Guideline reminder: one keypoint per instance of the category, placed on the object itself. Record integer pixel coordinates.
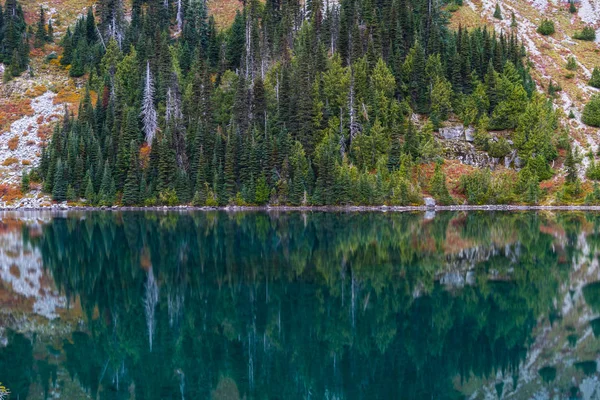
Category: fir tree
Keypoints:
(595, 79)
(41, 36)
(59, 188)
(25, 182)
(131, 189)
(498, 12)
(439, 190)
(106, 196)
(572, 8)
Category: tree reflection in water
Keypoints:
(319, 305)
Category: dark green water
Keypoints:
(319, 306)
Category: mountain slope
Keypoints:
(549, 54)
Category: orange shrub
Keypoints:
(25, 162)
(9, 193)
(10, 161)
(13, 143)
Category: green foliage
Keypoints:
(438, 187)
(25, 182)
(262, 191)
(595, 79)
(168, 197)
(498, 12)
(571, 64)
(59, 191)
(593, 199)
(593, 171)
(591, 112)
(572, 8)
(499, 148)
(271, 110)
(546, 28)
(476, 186)
(588, 33)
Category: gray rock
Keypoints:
(452, 132)
(429, 202)
(466, 153)
(429, 215)
(470, 134)
(453, 279)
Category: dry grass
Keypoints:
(36, 91)
(10, 193)
(10, 161)
(13, 143)
(224, 11)
(467, 18)
(13, 109)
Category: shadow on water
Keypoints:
(285, 306)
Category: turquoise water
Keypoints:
(302, 306)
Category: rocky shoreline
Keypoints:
(184, 208)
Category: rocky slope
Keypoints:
(549, 54)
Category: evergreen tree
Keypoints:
(498, 12)
(572, 8)
(59, 188)
(595, 79)
(106, 196)
(439, 190)
(131, 189)
(90, 195)
(25, 182)
(41, 36)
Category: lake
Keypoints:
(256, 305)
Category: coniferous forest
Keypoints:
(14, 47)
(294, 103)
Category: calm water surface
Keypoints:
(300, 306)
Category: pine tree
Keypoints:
(262, 191)
(90, 195)
(59, 188)
(571, 165)
(131, 189)
(595, 79)
(40, 34)
(106, 196)
(25, 182)
(50, 34)
(498, 12)
(439, 190)
(572, 8)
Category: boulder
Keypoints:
(470, 134)
(452, 132)
(429, 202)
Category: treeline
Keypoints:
(291, 104)
(14, 39)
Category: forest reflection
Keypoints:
(290, 305)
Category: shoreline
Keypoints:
(383, 208)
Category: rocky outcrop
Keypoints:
(20, 146)
(466, 153)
